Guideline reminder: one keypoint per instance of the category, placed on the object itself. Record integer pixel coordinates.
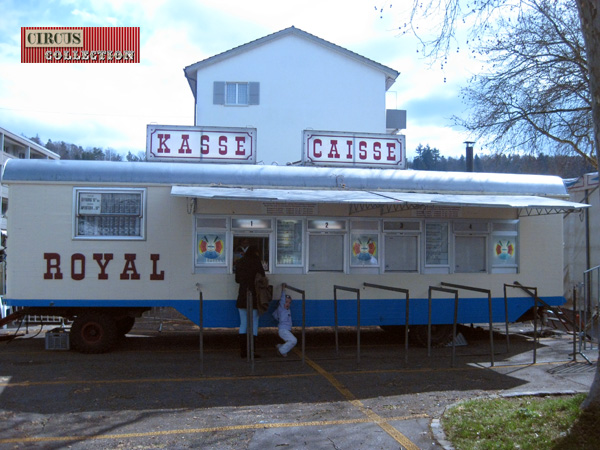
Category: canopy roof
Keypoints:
(361, 188)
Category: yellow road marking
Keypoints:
(203, 430)
(373, 417)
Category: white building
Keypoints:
(288, 82)
(15, 146)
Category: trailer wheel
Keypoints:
(124, 325)
(93, 333)
(440, 335)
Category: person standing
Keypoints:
(283, 315)
(247, 268)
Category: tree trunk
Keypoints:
(590, 26)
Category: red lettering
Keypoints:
(106, 257)
(52, 264)
(185, 144)
(77, 258)
(130, 267)
(162, 143)
(362, 150)
(222, 145)
(391, 155)
(333, 152)
(377, 151)
(204, 140)
(349, 154)
(241, 140)
(155, 275)
(315, 153)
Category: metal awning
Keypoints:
(392, 200)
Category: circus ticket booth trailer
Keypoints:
(102, 242)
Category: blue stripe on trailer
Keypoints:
(373, 312)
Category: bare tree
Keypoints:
(479, 14)
(534, 94)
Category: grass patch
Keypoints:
(527, 423)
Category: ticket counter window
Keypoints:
(241, 244)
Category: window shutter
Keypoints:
(219, 93)
(254, 94)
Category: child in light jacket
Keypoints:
(283, 315)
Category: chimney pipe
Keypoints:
(469, 149)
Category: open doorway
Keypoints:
(241, 244)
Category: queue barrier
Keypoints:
(448, 291)
(407, 309)
(533, 292)
(491, 319)
(335, 313)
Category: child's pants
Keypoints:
(290, 341)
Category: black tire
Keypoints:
(93, 332)
(440, 335)
(124, 325)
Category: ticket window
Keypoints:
(241, 244)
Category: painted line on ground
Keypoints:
(404, 441)
(42, 439)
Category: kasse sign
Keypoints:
(200, 144)
(332, 148)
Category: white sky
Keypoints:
(109, 105)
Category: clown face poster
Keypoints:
(504, 252)
(364, 250)
(211, 249)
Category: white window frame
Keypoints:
(475, 229)
(95, 195)
(437, 268)
(327, 227)
(237, 101)
(402, 231)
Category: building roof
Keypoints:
(190, 71)
(23, 141)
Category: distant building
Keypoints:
(582, 240)
(15, 146)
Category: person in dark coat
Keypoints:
(247, 268)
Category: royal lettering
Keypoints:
(80, 269)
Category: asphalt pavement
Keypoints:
(157, 389)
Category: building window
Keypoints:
(436, 244)
(401, 245)
(289, 242)
(236, 93)
(326, 245)
(109, 214)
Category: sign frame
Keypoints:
(198, 144)
(338, 148)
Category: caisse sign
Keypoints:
(329, 148)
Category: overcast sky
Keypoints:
(109, 105)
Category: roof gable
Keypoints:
(190, 71)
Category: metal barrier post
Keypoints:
(448, 291)
(489, 293)
(201, 325)
(300, 291)
(406, 293)
(357, 292)
(533, 294)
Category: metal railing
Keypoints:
(533, 292)
(448, 291)
(588, 311)
(490, 314)
(406, 293)
(335, 313)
